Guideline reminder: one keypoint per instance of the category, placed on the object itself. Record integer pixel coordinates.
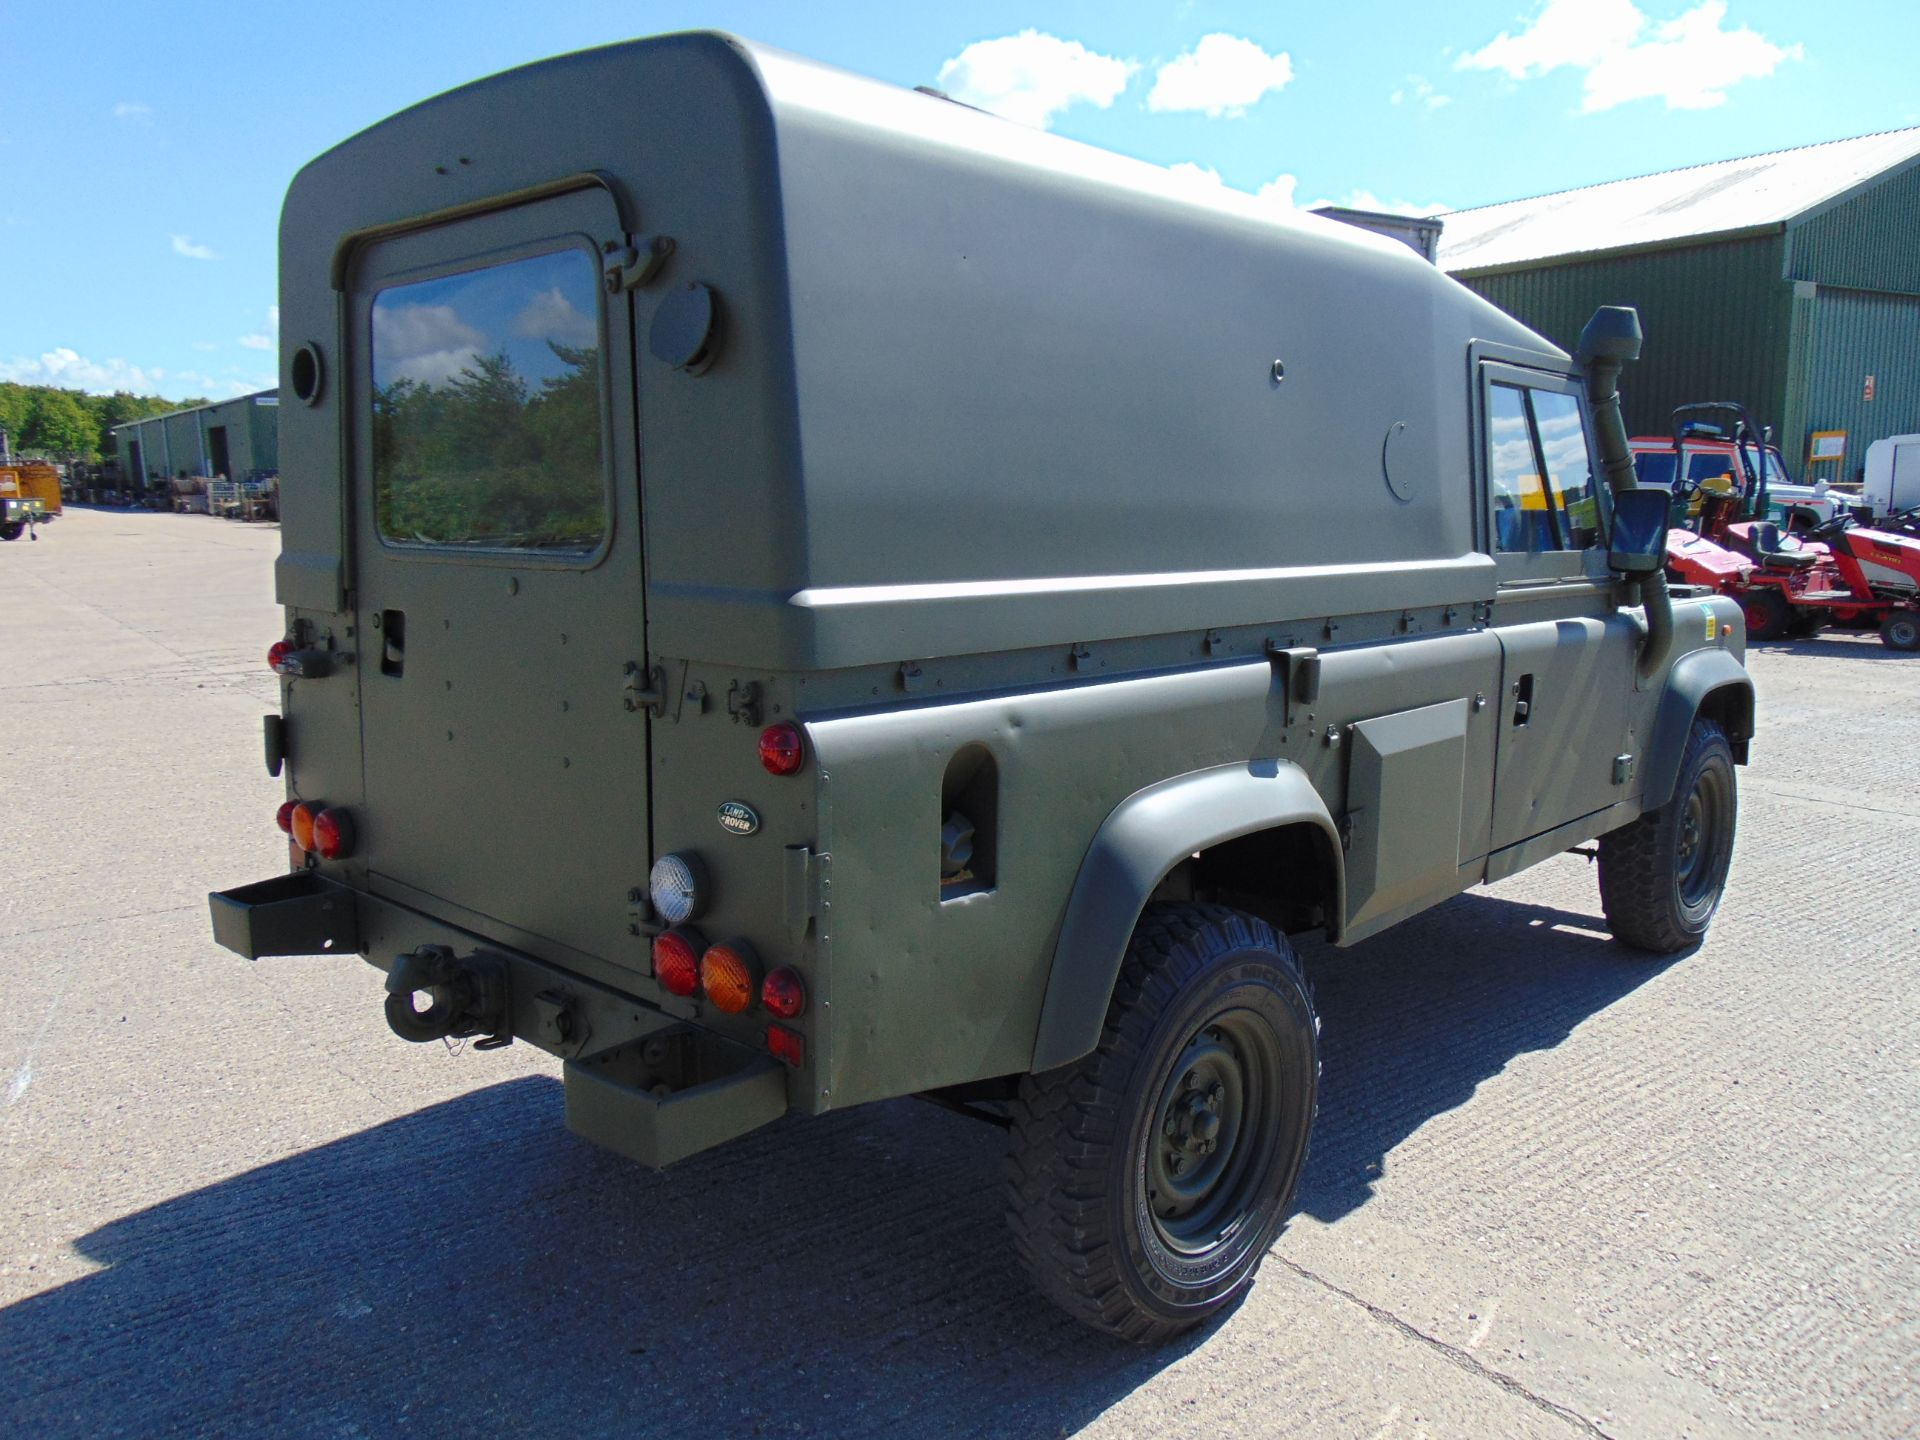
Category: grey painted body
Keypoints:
(991, 458)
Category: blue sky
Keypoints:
(144, 149)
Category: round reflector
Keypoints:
(783, 992)
(304, 814)
(276, 653)
(678, 886)
(333, 834)
(730, 975)
(676, 961)
(781, 749)
(283, 817)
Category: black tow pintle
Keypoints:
(467, 997)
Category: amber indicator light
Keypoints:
(304, 814)
(730, 976)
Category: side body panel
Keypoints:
(1563, 721)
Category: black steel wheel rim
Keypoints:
(1706, 833)
(1214, 1133)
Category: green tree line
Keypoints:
(71, 424)
(485, 458)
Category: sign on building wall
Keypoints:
(1829, 447)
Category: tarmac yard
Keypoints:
(1556, 1188)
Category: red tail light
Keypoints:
(784, 993)
(787, 1046)
(333, 834)
(301, 824)
(676, 960)
(283, 817)
(276, 653)
(730, 975)
(781, 749)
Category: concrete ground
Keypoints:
(1556, 1189)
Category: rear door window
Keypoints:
(488, 408)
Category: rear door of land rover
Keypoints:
(494, 506)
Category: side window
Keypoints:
(1563, 445)
(1709, 465)
(1539, 472)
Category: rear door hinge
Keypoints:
(628, 267)
(644, 689)
(743, 702)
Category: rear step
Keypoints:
(665, 1096)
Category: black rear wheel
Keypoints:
(1148, 1180)
(12, 530)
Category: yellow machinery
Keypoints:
(29, 494)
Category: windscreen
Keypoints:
(487, 408)
(1654, 468)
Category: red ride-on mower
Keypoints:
(1834, 573)
(1797, 584)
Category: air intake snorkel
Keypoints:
(1611, 338)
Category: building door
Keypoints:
(217, 450)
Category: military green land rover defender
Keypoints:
(800, 592)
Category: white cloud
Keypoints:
(429, 344)
(1689, 62)
(70, 370)
(184, 245)
(1367, 200)
(551, 316)
(1203, 176)
(133, 110)
(1222, 75)
(1419, 91)
(1031, 77)
(1277, 192)
(269, 338)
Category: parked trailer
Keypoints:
(1891, 485)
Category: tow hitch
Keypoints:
(467, 997)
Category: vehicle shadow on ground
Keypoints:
(473, 1267)
(1834, 645)
(1414, 1021)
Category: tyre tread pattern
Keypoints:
(1066, 1121)
(1636, 864)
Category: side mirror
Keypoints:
(1639, 542)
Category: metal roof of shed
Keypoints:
(1650, 211)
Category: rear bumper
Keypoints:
(639, 1082)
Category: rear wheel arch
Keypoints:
(1251, 829)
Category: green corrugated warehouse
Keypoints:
(1782, 280)
(235, 438)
